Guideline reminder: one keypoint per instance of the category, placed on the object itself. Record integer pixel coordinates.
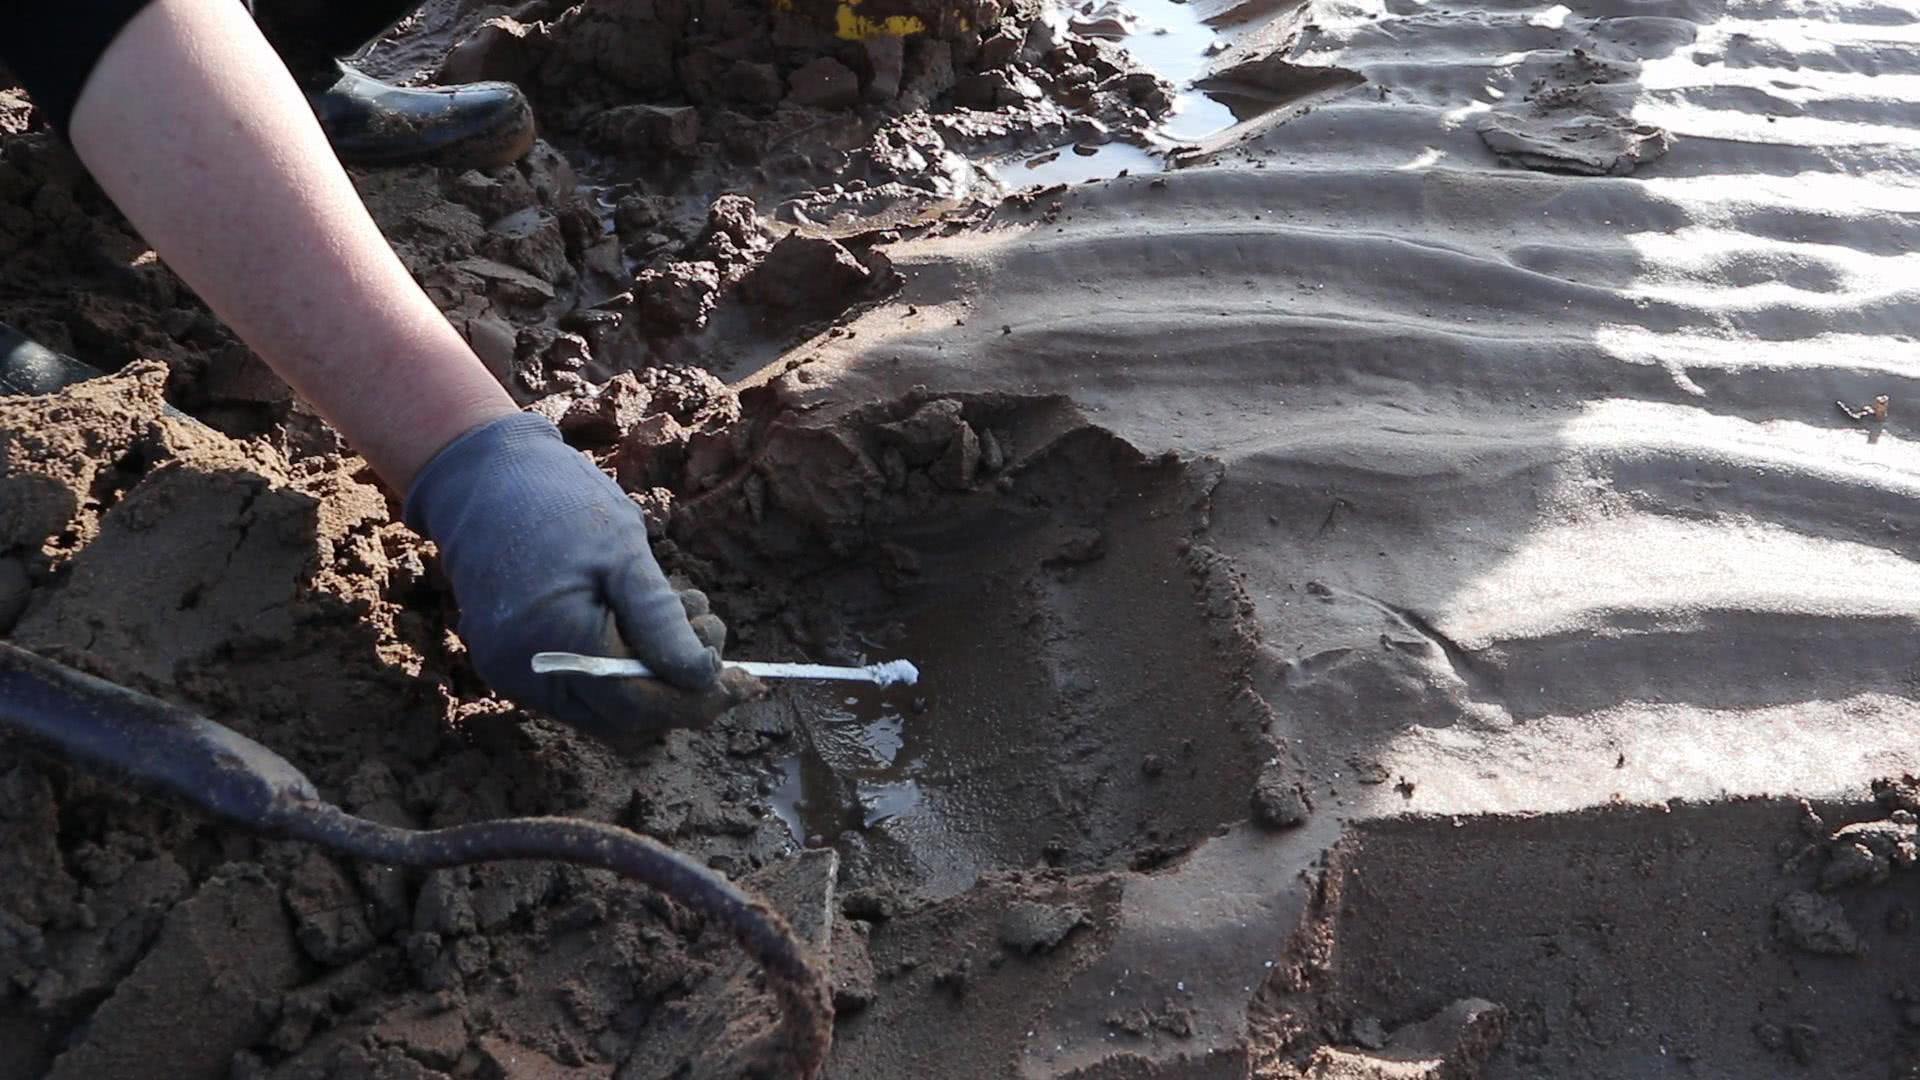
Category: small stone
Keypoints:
(958, 466)
(1153, 765)
(1081, 544)
(1278, 801)
(1367, 1032)
(993, 457)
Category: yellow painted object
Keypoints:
(850, 25)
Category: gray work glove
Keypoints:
(546, 553)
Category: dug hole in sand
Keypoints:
(1395, 594)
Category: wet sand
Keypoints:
(1388, 570)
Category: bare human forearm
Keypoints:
(195, 129)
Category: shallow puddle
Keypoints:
(869, 773)
(1168, 38)
(1070, 165)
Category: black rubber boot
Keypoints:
(369, 122)
(471, 126)
(27, 367)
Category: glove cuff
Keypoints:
(461, 461)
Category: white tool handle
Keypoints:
(891, 673)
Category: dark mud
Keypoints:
(1746, 938)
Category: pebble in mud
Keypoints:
(1816, 924)
(1277, 800)
(1031, 928)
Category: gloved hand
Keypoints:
(546, 553)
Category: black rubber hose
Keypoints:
(162, 749)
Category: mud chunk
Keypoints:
(1081, 544)
(606, 416)
(993, 457)
(960, 463)
(218, 955)
(873, 905)
(14, 590)
(434, 1037)
(120, 921)
(1902, 793)
(886, 66)
(1851, 863)
(807, 276)
(999, 50)
(1867, 852)
(1367, 1032)
(1581, 144)
(497, 50)
(635, 216)
(508, 284)
(530, 239)
(493, 340)
(445, 905)
(330, 922)
(733, 235)
(755, 84)
(1146, 89)
(677, 299)
(1278, 801)
(1030, 927)
(645, 129)
(922, 437)
(1816, 924)
(505, 891)
(854, 984)
(824, 83)
(995, 89)
(1453, 1043)
(1802, 1041)
(929, 71)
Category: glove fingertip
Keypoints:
(690, 671)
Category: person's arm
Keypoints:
(195, 129)
(192, 126)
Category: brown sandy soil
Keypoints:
(1385, 587)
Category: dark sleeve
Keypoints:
(52, 45)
